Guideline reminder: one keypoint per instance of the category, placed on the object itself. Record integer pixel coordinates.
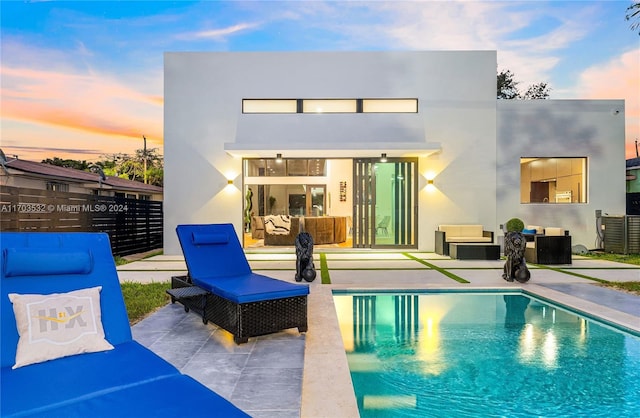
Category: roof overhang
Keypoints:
(331, 136)
(332, 150)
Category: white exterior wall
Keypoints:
(203, 96)
(563, 128)
(476, 173)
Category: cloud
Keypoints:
(218, 34)
(78, 99)
(511, 28)
(618, 78)
(57, 150)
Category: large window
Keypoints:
(553, 180)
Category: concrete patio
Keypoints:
(292, 375)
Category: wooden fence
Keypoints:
(133, 225)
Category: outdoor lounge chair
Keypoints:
(66, 344)
(221, 287)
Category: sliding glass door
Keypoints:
(385, 203)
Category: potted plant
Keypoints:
(272, 203)
(515, 268)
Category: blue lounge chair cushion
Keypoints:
(251, 288)
(207, 256)
(169, 397)
(46, 261)
(25, 254)
(34, 387)
(203, 238)
(222, 267)
(128, 381)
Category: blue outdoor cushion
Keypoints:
(203, 238)
(38, 386)
(529, 231)
(46, 261)
(212, 257)
(251, 288)
(170, 397)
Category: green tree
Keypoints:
(507, 88)
(69, 163)
(536, 91)
(633, 15)
(132, 167)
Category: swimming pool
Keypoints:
(484, 354)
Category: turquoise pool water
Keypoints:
(484, 355)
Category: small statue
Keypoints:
(304, 257)
(514, 247)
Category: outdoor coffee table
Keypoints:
(474, 251)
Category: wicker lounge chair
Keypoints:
(222, 288)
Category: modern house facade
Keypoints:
(396, 142)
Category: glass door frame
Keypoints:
(405, 204)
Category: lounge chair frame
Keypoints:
(245, 320)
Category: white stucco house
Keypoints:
(413, 139)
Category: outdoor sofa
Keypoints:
(550, 245)
(221, 287)
(67, 349)
(447, 234)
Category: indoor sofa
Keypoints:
(283, 239)
(447, 234)
(67, 349)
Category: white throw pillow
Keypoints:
(58, 325)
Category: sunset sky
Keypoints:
(81, 79)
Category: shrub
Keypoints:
(515, 225)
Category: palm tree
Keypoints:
(633, 13)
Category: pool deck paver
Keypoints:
(292, 375)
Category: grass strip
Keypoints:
(618, 258)
(324, 269)
(142, 299)
(570, 273)
(438, 269)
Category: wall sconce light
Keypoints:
(383, 157)
(229, 181)
(278, 158)
(430, 182)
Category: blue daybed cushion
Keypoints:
(251, 288)
(46, 261)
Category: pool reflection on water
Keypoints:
(484, 354)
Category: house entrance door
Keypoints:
(385, 205)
